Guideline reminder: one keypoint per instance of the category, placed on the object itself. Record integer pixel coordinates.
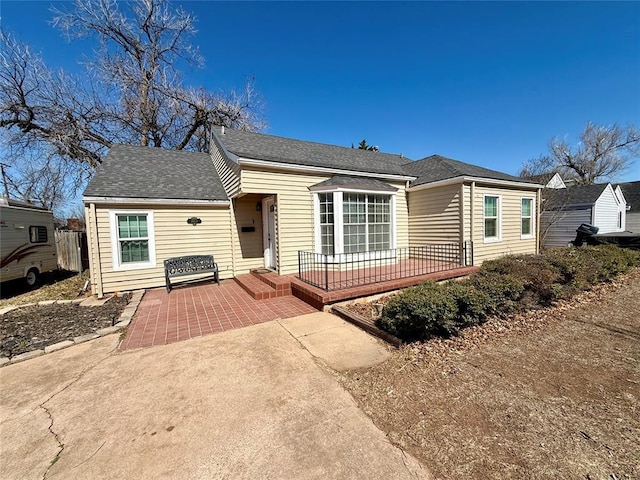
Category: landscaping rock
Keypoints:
(58, 346)
(27, 356)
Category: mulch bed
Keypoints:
(35, 327)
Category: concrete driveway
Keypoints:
(250, 403)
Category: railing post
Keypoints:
(326, 272)
(299, 264)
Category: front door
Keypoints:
(269, 232)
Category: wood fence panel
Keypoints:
(72, 250)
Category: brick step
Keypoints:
(282, 285)
(255, 287)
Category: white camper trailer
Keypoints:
(27, 240)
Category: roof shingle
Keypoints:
(435, 168)
(259, 146)
(143, 172)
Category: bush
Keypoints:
(419, 313)
(507, 284)
(472, 304)
(504, 291)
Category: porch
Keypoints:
(323, 279)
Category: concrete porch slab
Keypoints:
(339, 344)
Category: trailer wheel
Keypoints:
(32, 277)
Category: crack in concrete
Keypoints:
(56, 436)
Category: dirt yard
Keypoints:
(35, 327)
(551, 394)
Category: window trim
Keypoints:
(338, 222)
(46, 234)
(116, 255)
(531, 235)
(498, 237)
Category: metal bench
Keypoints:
(189, 265)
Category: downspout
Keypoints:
(472, 194)
(538, 209)
(463, 260)
(96, 272)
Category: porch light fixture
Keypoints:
(259, 207)
(194, 221)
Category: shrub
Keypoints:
(472, 304)
(504, 291)
(507, 284)
(419, 313)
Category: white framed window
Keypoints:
(327, 245)
(354, 222)
(492, 206)
(527, 218)
(132, 239)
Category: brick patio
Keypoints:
(202, 309)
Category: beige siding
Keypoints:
(248, 246)
(228, 171)
(511, 241)
(173, 237)
(402, 215)
(295, 222)
(294, 210)
(434, 215)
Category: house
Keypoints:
(292, 206)
(631, 192)
(550, 180)
(565, 209)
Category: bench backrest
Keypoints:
(190, 264)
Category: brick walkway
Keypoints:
(202, 309)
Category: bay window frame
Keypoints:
(338, 223)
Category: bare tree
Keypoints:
(602, 153)
(132, 92)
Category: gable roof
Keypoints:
(358, 183)
(288, 151)
(631, 192)
(436, 167)
(145, 172)
(574, 194)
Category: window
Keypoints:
(326, 223)
(526, 218)
(379, 222)
(620, 220)
(353, 222)
(132, 240)
(491, 218)
(38, 234)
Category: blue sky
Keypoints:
(486, 83)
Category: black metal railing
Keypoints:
(347, 270)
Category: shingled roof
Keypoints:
(144, 172)
(259, 146)
(356, 183)
(631, 192)
(436, 168)
(573, 195)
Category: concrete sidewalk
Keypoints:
(249, 403)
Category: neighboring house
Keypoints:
(565, 209)
(631, 192)
(549, 180)
(264, 200)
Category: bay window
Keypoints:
(353, 222)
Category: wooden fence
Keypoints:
(73, 254)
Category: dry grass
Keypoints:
(554, 393)
(56, 286)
